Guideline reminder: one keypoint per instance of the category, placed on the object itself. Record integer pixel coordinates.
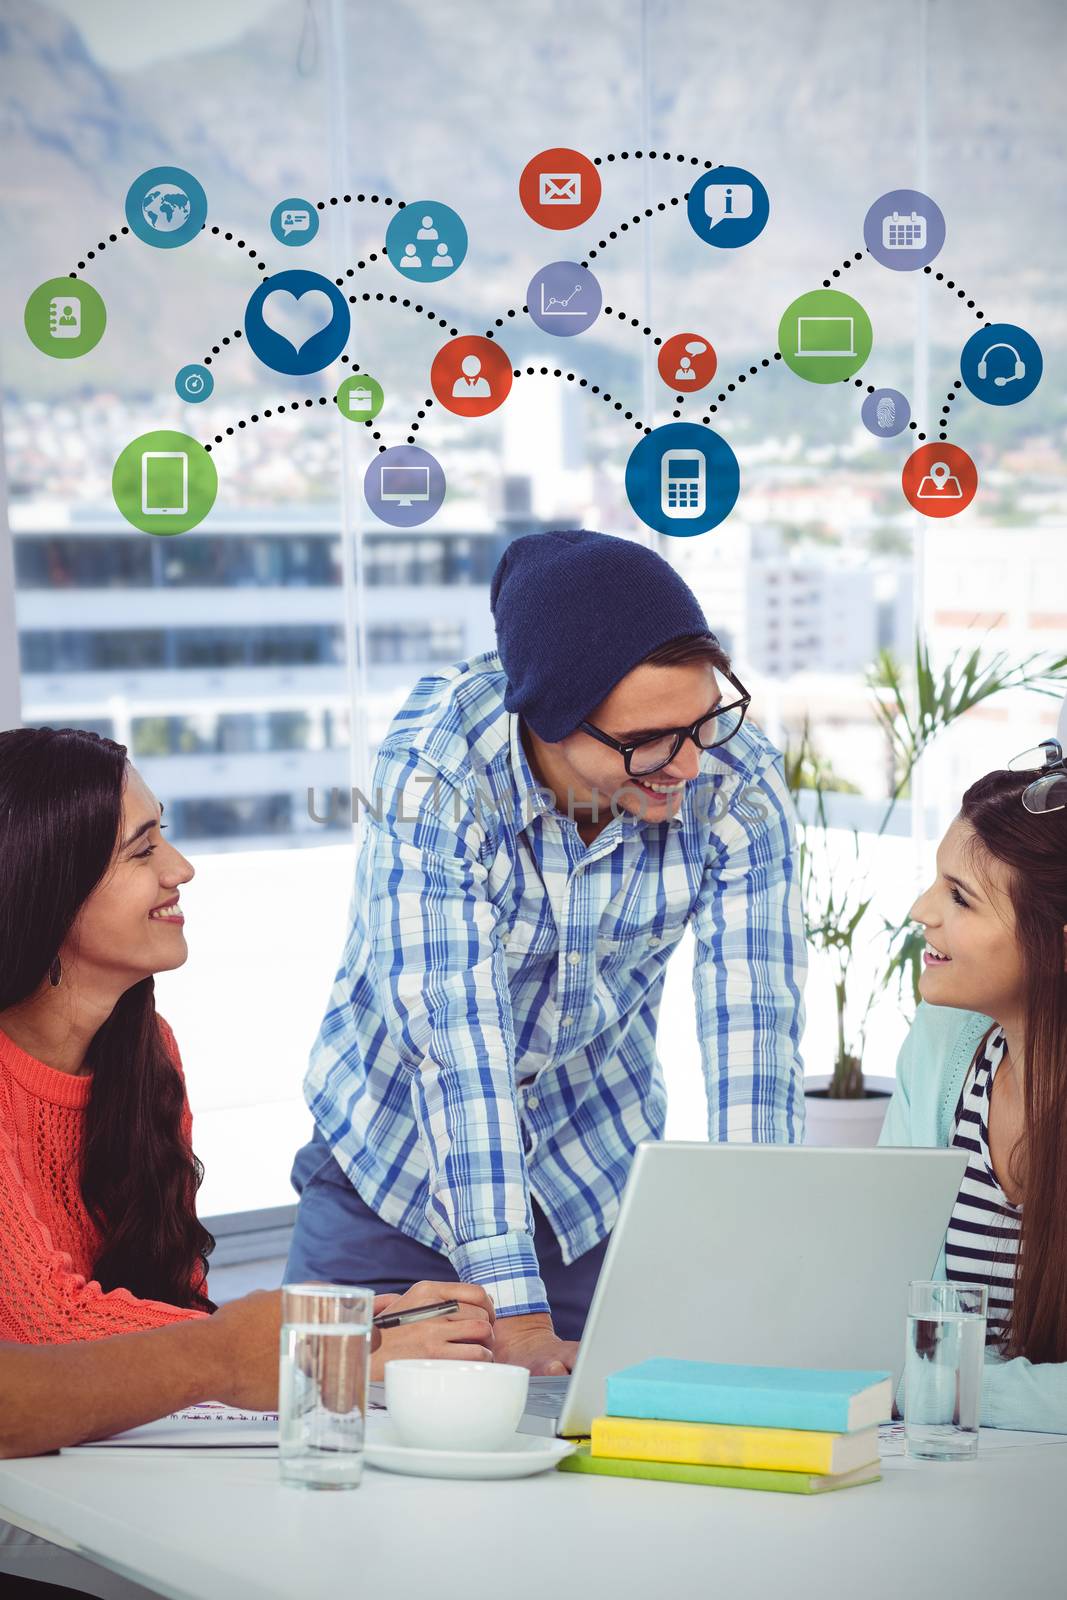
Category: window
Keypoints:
(261, 657)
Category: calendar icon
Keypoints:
(904, 233)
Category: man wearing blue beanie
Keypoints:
(545, 822)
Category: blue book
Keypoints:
(751, 1397)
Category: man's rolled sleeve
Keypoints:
(506, 1267)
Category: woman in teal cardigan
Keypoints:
(985, 1067)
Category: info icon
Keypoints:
(471, 375)
(728, 207)
(687, 362)
(940, 480)
(560, 188)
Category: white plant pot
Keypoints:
(839, 1124)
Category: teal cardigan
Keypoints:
(931, 1068)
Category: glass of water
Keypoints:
(943, 1370)
(323, 1377)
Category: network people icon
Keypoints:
(682, 478)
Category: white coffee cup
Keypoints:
(455, 1405)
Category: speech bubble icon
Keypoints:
(724, 201)
(300, 221)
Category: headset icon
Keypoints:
(1020, 365)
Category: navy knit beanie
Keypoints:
(575, 612)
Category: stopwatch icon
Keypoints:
(194, 383)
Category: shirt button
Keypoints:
(567, 1021)
(574, 956)
(531, 1101)
(653, 940)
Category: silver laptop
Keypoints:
(773, 1255)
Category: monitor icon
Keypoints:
(164, 483)
(826, 336)
(402, 486)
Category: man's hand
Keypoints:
(529, 1341)
(466, 1335)
(245, 1338)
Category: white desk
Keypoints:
(227, 1530)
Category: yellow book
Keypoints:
(711, 1444)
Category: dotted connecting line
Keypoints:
(354, 299)
(547, 372)
(848, 262)
(961, 294)
(113, 238)
(946, 408)
(348, 199)
(293, 405)
(638, 217)
(742, 377)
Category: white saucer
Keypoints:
(521, 1457)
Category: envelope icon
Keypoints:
(561, 188)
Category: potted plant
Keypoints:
(843, 1106)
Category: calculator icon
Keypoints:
(683, 486)
(904, 233)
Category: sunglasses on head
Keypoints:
(1048, 792)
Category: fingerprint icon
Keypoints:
(886, 414)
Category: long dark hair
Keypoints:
(61, 796)
(1034, 848)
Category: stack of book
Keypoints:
(790, 1429)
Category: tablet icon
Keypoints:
(164, 483)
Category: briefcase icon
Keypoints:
(561, 188)
(360, 400)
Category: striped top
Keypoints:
(983, 1235)
(491, 1034)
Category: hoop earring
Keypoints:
(55, 973)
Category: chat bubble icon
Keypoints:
(725, 201)
(300, 221)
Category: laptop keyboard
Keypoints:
(546, 1396)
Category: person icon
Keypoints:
(442, 257)
(68, 319)
(685, 373)
(940, 483)
(427, 231)
(410, 258)
(473, 385)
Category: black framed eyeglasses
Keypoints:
(1048, 792)
(657, 750)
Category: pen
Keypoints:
(398, 1319)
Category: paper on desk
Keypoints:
(210, 1426)
(891, 1442)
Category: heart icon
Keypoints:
(288, 314)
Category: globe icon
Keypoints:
(166, 209)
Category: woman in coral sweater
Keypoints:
(98, 1178)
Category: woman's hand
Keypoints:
(466, 1335)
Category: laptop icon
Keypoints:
(826, 336)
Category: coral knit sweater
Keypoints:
(48, 1242)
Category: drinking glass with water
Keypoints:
(943, 1369)
(323, 1378)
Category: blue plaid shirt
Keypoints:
(492, 1027)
